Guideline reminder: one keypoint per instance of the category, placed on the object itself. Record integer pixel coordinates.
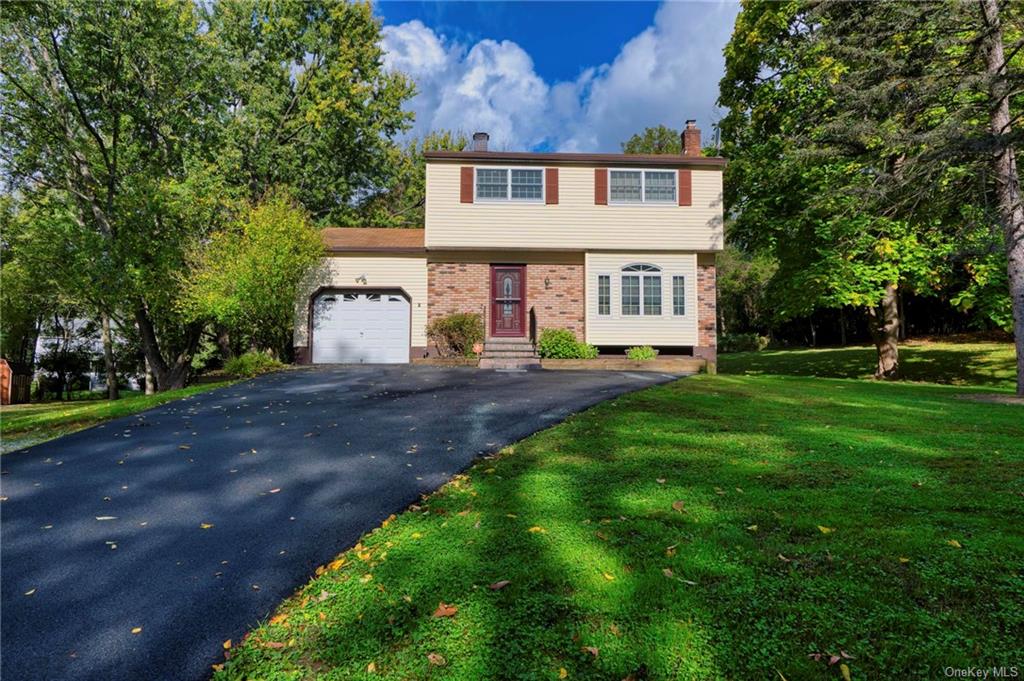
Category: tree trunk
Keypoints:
(885, 330)
(150, 378)
(168, 376)
(224, 343)
(108, 357)
(842, 327)
(1011, 212)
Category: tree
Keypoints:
(246, 277)
(659, 140)
(848, 134)
(401, 202)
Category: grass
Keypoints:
(988, 364)
(24, 424)
(718, 527)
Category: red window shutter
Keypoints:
(601, 186)
(685, 188)
(466, 182)
(551, 185)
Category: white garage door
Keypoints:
(360, 328)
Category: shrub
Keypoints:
(741, 342)
(562, 344)
(456, 334)
(641, 353)
(251, 364)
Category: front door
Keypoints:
(508, 300)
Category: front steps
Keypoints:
(509, 353)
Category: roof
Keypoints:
(373, 239)
(648, 160)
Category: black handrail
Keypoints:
(533, 326)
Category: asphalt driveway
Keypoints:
(193, 520)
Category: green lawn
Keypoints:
(718, 527)
(25, 424)
(991, 364)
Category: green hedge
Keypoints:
(251, 364)
(562, 344)
(456, 334)
(641, 353)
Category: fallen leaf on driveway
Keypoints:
(275, 490)
(106, 517)
(227, 644)
(137, 630)
(30, 592)
(445, 610)
(184, 446)
(499, 585)
(436, 659)
(205, 526)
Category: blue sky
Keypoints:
(574, 76)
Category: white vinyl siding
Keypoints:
(384, 272)
(575, 222)
(621, 328)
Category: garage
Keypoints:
(360, 327)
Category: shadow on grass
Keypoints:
(809, 523)
(981, 364)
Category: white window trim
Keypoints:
(660, 273)
(508, 185)
(643, 187)
(611, 295)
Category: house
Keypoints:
(619, 249)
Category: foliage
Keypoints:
(251, 364)
(641, 353)
(657, 140)
(456, 334)
(401, 202)
(562, 344)
(247, 276)
(741, 342)
(742, 281)
(24, 424)
(676, 550)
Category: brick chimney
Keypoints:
(691, 139)
(480, 141)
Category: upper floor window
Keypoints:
(509, 184)
(642, 186)
(641, 290)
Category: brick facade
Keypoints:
(707, 311)
(554, 291)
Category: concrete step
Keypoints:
(523, 347)
(513, 363)
(508, 354)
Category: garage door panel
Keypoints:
(361, 328)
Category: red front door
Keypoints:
(508, 300)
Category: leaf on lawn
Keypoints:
(593, 650)
(563, 673)
(752, 528)
(781, 676)
(445, 610)
(601, 535)
(217, 667)
(322, 615)
(279, 619)
(844, 669)
(954, 543)
(671, 550)
(537, 529)
(371, 668)
(366, 578)
(719, 491)
(668, 573)
(832, 659)
(205, 526)
(826, 530)
(136, 630)
(227, 644)
(660, 481)
(497, 586)
(904, 559)
(679, 506)
(784, 560)
(609, 576)
(274, 645)
(614, 628)
(436, 659)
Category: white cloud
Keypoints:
(664, 75)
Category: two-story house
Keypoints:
(618, 248)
